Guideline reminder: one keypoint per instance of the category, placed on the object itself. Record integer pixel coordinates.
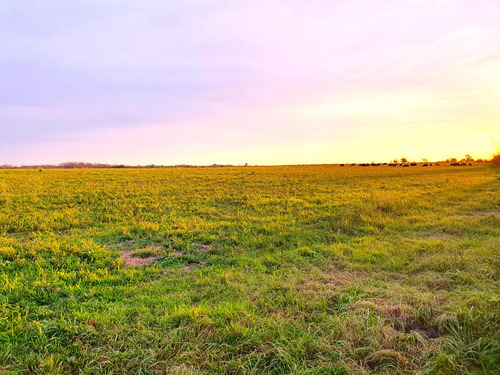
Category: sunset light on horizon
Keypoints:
(261, 82)
(250, 187)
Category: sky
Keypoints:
(258, 82)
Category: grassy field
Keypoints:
(256, 270)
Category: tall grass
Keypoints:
(261, 270)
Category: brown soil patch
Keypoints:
(135, 261)
(203, 248)
(92, 323)
(190, 266)
(427, 332)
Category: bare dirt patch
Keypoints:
(129, 260)
(427, 332)
(203, 248)
(92, 323)
(190, 266)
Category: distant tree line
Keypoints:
(467, 160)
(82, 165)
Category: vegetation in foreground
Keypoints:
(265, 270)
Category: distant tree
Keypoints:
(453, 160)
(404, 160)
(395, 161)
(496, 160)
(468, 158)
(425, 160)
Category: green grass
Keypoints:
(263, 270)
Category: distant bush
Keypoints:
(496, 160)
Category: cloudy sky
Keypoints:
(263, 82)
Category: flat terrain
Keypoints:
(265, 270)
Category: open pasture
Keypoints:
(250, 270)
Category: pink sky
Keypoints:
(263, 82)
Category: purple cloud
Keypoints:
(264, 82)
